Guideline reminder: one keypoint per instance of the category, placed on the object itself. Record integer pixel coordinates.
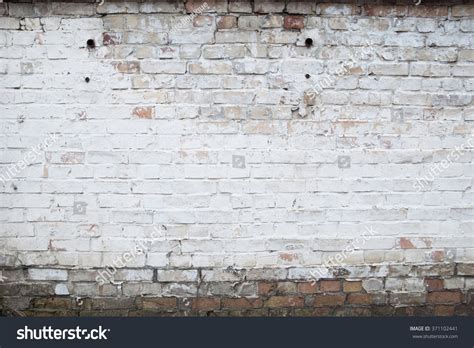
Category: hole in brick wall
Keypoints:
(308, 42)
(90, 44)
(307, 76)
(87, 79)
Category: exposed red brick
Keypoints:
(433, 284)
(323, 311)
(227, 22)
(111, 39)
(359, 299)
(205, 304)
(386, 10)
(329, 300)
(330, 285)
(405, 243)
(355, 286)
(159, 303)
(444, 310)
(286, 288)
(241, 303)
(144, 112)
(265, 288)
(463, 10)
(284, 301)
(293, 22)
(288, 257)
(437, 255)
(444, 297)
(198, 6)
(341, 9)
(428, 11)
(308, 287)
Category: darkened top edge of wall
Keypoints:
(358, 2)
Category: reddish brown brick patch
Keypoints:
(386, 10)
(227, 22)
(364, 299)
(330, 285)
(463, 10)
(266, 288)
(144, 112)
(355, 286)
(446, 297)
(293, 22)
(200, 5)
(307, 287)
(444, 310)
(434, 284)
(206, 304)
(284, 301)
(329, 300)
(241, 303)
(405, 243)
(111, 39)
(428, 11)
(159, 303)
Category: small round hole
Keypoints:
(308, 42)
(307, 76)
(90, 43)
(87, 79)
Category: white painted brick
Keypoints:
(47, 274)
(150, 139)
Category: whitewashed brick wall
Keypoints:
(209, 132)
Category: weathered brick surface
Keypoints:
(235, 157)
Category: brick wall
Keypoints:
(236, 158)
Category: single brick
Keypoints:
(308, 287)
(428, 11)
(329, 300)
(329, 285)
(284, 301)
(447, 311)
(205, 304)
(111, 39)
(463, 11)
(293, 22)
(266, 288)
(386, 10)
(241, 303)
(128, 67)
(362, 299)
(227, 22)
(445, 297)
(433, 284)
(405, 243)
(160, 303)
(352, 286)
(144, 112)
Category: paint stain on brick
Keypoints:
(146, 112)
(111, 39)
(288, 257)
(405, 243)
(128, 67)
(293, 22)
